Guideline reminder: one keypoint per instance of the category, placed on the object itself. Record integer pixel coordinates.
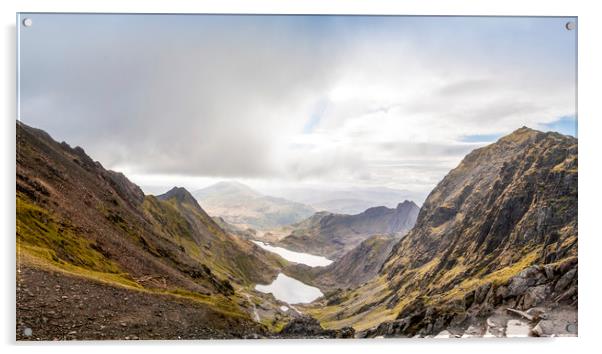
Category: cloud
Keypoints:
(335, 100)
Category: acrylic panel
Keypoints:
(190, 176)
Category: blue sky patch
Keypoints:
(565, 125)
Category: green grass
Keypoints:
(167, 218)
(39, 232)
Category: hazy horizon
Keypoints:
(278, 102)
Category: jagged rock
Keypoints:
(568, 294)
(565, 280)
(501, 293)
(537, 331)
(481, 293)
(485, 310)
(535, 296)
(520, 313)
(469, 299)
(345, 332)
(549, 271)
(527, 278)
(438, 325)
(537, 314)
(309, 327)
(495, 326)
(473, 331)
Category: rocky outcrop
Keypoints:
(532, 297)
(309, 327)
(356, 267)
(334, 235)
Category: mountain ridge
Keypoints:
(333, 235)
(81, 226)
(500, 230)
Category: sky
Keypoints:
(293, 101)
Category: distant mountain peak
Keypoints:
(242, 206)
(180, 194)
(232, 184)
(376, 210)
(228, 187)
(406, 204)
(521, 134)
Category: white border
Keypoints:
(589, 172)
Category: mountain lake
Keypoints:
(297, 257)
(287, 289)
(290, 290)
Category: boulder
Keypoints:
(555, 327)
(535, 296)
(309, 327)
(565, 280)
(527, 278)
(473, 331)
(481, 293)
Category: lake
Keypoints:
(290, 290)
(297, 257)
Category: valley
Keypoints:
(491, 252)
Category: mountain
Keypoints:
(230, 255)
(247, 234)
(499, 231)
(244, 207)
(333, 235)
(349, 201)
(347, 206)
(356, 267)
(94, 252)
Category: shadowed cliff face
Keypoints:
(333, 235)
(356, 267)
(507, 206)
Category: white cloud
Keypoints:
(238, 98)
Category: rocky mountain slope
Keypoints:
(499, 231)
(333, 235)
(83, 227)
(356, 267)
(244, 207)
(247, 234)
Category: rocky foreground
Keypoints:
(55, 306)
(541, 301)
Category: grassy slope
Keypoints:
(79, 219)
